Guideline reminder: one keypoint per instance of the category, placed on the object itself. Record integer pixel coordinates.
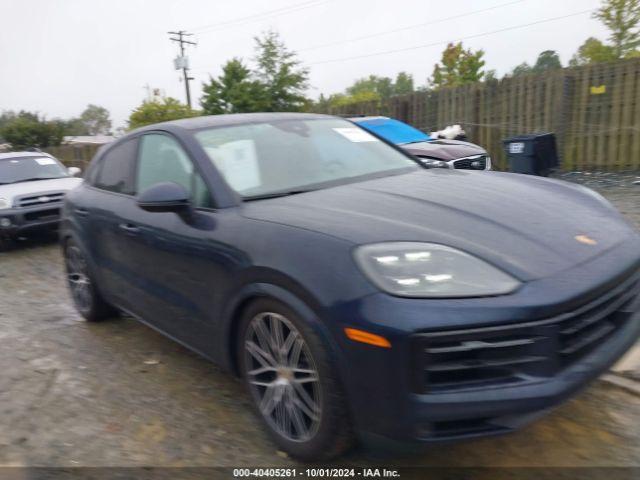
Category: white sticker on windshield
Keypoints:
(45, 161)
(356, 134)
(238, 163)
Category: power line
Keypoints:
(258, 16)
(179, 37)
(408, 27)
(434, 44)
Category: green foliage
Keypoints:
(523, 69)
(369, 89)
(276, 84)
(490, 76)
(381, 87)
(593, 51)
(25, 129)
(341, 100)
(75, 127)
(233, 92)
(622, 18)
(280, 75)
(547, 60)
(96, 120)
(155, 111)
(458, 67)
(403, 84)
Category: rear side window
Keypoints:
(116, 172)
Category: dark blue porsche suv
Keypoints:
(354, 291)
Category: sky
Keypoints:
(57, 56)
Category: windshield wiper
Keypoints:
(274, 195)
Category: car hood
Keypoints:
(443, 149)
(36, 187)
(525, 225)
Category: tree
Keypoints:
(96, 120)
(26, 129)
(155, 111)
(547, 60)
(381, 87)
(233, 92)
(458, 66)
(403, 84)
(75, 127)
(368, 89)
(592, 51)
(523, 69)
(490, 76)
(280, 74)
(622, 18)
(341, 100)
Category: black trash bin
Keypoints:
(533, 154)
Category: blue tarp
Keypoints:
(393, 130)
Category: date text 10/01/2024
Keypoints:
(315, 472)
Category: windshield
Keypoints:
(288, 156)
(393, 130)
(21, 169)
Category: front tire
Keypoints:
(85, 295)
(292, 382)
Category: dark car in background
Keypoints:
(352, 289)
(434, 153)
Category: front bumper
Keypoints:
(398, 394)
(29, 218)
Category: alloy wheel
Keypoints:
(282, 377)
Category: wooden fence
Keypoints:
(593, 110)
(74, 155)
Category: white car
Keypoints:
(32, 187)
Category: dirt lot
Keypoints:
(119, 394)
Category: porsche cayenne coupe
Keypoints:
(356, 292)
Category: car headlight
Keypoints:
(4, 203)
(411, 269)
(433, 163)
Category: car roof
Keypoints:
(365, 117)
(7, 155)
(197, 123)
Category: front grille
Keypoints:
(510, 354)
(48, 214)
(41, 199)
(477, 162)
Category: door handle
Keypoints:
(83, 212)
(130, 229)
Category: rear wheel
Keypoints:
(84, 293)
(292, 382)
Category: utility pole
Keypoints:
(182, 62)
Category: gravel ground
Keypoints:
(117, 393)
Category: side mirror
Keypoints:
(74, 171)
(165, 197)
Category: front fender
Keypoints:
(310, 314)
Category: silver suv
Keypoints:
(32, 187)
